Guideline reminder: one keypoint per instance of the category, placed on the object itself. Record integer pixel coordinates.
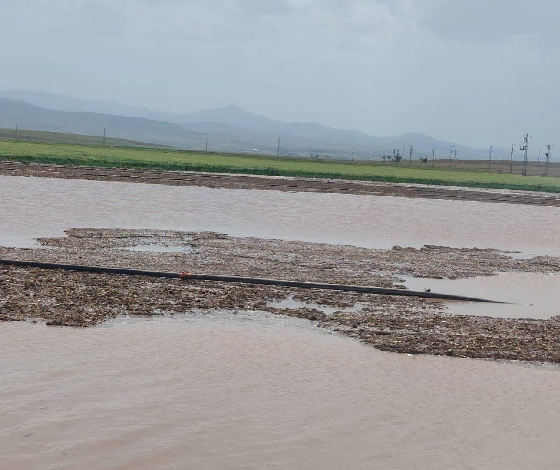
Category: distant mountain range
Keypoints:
(226, 129)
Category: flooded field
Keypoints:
(35, 207)
(217, 392)
(528, 295)
(259, 391)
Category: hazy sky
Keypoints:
(478, 72)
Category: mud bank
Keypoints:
(318, 185)
(406, 325)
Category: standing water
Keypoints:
(35, 207)
(257, 394)
(263, 392)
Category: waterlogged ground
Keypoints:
(253, 393)
(166, 378)
(39, 207)
(392, 323)
(293, 184)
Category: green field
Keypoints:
(166, 159)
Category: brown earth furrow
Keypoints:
(320, 185)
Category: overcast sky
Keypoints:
(477, 72)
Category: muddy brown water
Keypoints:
(260, 392)
(230, 393)
(34, 207)
(526, 295)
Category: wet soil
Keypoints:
(399, 324)
(277, 183)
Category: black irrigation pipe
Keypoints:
(243, 280)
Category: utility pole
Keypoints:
(433, 158)
(353, 151)
(206, 146)
(511, 159)
(490, 157)
(525, 148)
(410, 156)
(278, 149)
(104, 134)
(451, 153)
(16, 132)
(548, 154)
